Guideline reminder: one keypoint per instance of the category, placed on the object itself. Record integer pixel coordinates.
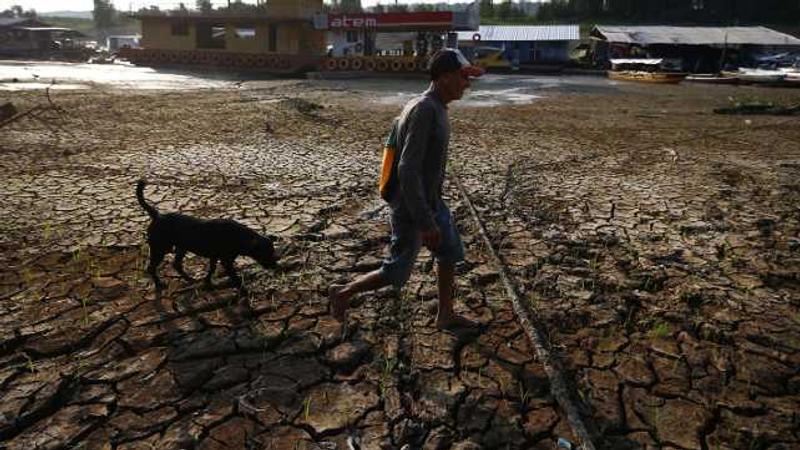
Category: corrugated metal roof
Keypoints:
(523, 33)
(643, 61)
(649, 35)
(8, 21)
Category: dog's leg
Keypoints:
(177, 263)
(230, 269)
(156, 256)
(212, 267)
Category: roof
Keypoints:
(64, 31)
(650, 35)
(43, 28)
(12, 21)
(226, 16)
(523, 33)
(642, 61)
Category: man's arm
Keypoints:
(419, 125)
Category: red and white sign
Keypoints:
(411, 20)
(345, 21)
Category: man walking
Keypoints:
(419, 216)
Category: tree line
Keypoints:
(711, 12)
(17, 11)
(690, 12)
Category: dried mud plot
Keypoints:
(658, 243)
(91, 357)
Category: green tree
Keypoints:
(487, 8)
(204, 5)
(18, 11)
(104, 14)
(350, 6)
(397, 8)
(506, 11)
(423, 7)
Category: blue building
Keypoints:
(524, 44)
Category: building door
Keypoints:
(272, 38)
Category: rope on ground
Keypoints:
(558, 384)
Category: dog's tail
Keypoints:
(151, 210)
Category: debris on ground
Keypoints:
(7, 110)
(767, 109)
(667, 285)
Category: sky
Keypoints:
(87, 5)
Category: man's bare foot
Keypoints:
(337, 303)
(454, 321)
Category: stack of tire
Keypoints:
(371, 64)
(209, 58)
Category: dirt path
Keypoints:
(658, 243)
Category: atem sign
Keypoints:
(410, 21)
(345, 21)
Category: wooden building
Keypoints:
(278, 36)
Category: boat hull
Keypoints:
(758, 76)
(646, 77)
(712, 79)
(761, 79)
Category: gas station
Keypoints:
(294, 36)
(389, 42)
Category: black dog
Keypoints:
(219, 240)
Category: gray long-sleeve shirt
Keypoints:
(423, 134)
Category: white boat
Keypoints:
(710, 78)
(792, 79)
(760, 76)
(792, 74)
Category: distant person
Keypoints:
(419, 216)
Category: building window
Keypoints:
(180, 28)
(210, 35)
(273, 38)
(352, 36)
(245, 32)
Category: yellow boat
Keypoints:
(647, 77)
(490, 58)
(647, 70)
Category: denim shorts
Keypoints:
(406, 243)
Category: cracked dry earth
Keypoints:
(656, 242)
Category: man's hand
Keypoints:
(431, 238)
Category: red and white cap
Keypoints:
(449, 60)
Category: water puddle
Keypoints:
(30, 86)
(490, 90)
(21, 75)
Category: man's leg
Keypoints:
(446, 316)
(340, 294)
(395, 270)
(450, 251)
